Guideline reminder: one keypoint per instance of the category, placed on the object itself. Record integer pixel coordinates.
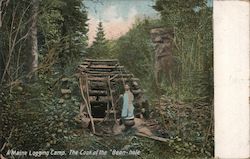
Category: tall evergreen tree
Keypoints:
(100, 35)
(99, 47)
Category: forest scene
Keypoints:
(65, 65)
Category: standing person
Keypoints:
(127, 106)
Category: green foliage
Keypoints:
(99, 48)
(37, 116)
(63, 23)
(74, 28)
(191, 122)
(179, 13)
(50, 20)
(135, 51)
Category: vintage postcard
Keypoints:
(106, 79)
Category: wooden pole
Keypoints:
(87, 92)
(112, 100)
(87, 105)
(152, 137)
(108, 111)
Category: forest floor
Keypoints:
(36, 117)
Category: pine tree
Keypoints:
(100, 35)
(99, 47)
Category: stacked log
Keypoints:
(98, 70)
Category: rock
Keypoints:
(66, 96)
(20, 89)
(61, 124)
(47, 144)
(61, 101)
(83, 120)
(65, 79)
(65, 91)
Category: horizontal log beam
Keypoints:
(98, 70)
(101, 60)
(126, 79)
(103, 67)
(102, 102)
(105, 93)
(111, 111)
(106, 69)
(98, 85)
(111, 75)
(98, 93)
(102, 72)
(102, 119)
(115, 79)
(97, 79)
(100, 63)
(151, 137)
(138, 91)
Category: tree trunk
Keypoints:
(1, 2)
(33, 37)
(2, 66)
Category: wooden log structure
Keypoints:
(103, 77)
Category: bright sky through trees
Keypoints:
(117, 15)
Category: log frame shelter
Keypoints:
(101, 83)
